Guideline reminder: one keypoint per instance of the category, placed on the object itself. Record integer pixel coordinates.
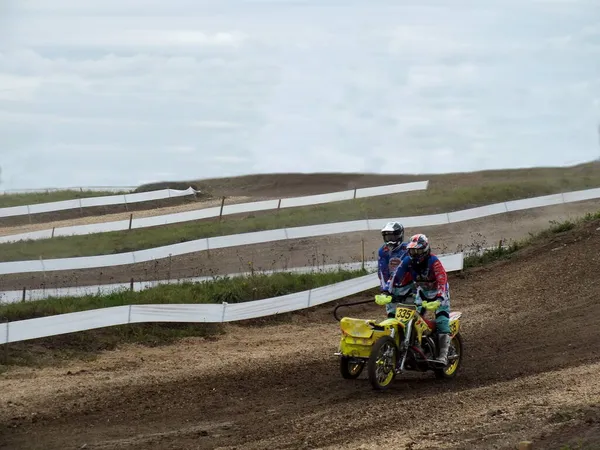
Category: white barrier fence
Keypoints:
(23, 330)
(206, 213)
(105, 289)
(259, 237)
(94, 201)
(75, 188)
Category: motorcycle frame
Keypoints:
(408, 331)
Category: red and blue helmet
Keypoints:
(418, 248)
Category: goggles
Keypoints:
(416, 251)
(390, 237)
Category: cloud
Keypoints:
(137, 39)
(228, 159)
(111, 92)
(215, 124)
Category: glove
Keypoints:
(382, 299)
(432, 305)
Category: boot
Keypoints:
(444, 343)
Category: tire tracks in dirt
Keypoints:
(531, 352)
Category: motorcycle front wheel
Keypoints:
(382, 363)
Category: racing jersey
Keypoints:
(389, 260)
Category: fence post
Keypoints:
(24, 290)
(131, 284)
(223, 314)
(222, 205)
(279, 205)
(354, 193)
(6, 345)
(43, 267)
(130, 220)
(52, 232)
(362, 243)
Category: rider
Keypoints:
(391, 254)
(425, 269)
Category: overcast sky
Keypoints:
(110, 92)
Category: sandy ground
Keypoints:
(529, 371)
(333, 249)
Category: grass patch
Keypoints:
(437, 199)
(505, 252)
(495, 254)
(33, 198)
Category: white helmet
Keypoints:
(393, 234)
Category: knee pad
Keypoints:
(442, 322)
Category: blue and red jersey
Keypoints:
(432, 278)
(389, 260)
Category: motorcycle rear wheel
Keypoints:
(382, 363)
(451, 369)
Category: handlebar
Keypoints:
(384, 299)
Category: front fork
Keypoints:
(404, 345)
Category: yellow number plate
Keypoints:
(453, 327)
(404, 314)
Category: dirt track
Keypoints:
(308, 252)
(530, 371)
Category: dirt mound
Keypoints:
(293, 184)
(177, 185)
(296, 184)
(530, 370)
